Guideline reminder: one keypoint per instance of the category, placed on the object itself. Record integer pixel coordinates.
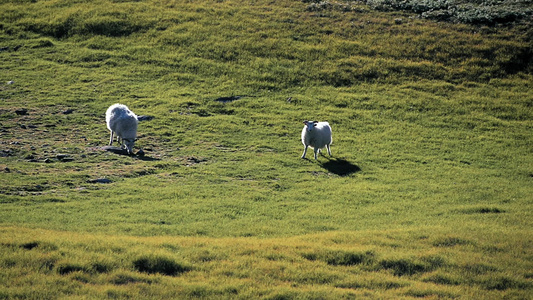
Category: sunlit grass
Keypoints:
(375, 263)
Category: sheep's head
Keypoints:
(129, 145)
(310, 124)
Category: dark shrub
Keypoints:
(159, 264)
(450, 242)
(69, 268)
(343, 258)
(403, 267)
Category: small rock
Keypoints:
(68, 111)
(10, 82)
(100, 180)
(116, 150)
(228, 99)
(7, 170)
(145, 118)
(22, 126)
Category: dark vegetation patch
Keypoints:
(159, 264)
(483, 210)
(443, 279)
(411, 266)
(403, 267)
(341, 257)
(123, 278)
(68, 268)
(345, 258)
(100, 180)
(228, 99)
(39, 245)
(91, 268)
(193, 160)
(502, 283)
(373, 284)
(479, 269)
(505, 59)
(431, 294)
(30, 245)
(101, 267)
(476, 12)
(450, 242)
(113, 24)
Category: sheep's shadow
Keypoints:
(340, 167)
(122, 151)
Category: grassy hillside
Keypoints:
(428, 192)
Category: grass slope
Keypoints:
(428, 192)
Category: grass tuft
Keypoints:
(411, 266)
(128, 278)
(159, 264)
(345, 258)
(502, 283)
(42, 246)
(67, 268)
(450, 242)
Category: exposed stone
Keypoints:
(100, 180)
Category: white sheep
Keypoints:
(122, 122)
(317, 135)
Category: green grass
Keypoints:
(428, 192)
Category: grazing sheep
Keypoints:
(317, 135)
(122, 122)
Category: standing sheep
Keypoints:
(122, 122)
(317, 135)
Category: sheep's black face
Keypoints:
(310, 124)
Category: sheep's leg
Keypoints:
(316, 152)
(329, 150)
(111, 139)
(305, 151)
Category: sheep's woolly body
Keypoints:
(122, 122)
(316, 135)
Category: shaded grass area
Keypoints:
(330, 265)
